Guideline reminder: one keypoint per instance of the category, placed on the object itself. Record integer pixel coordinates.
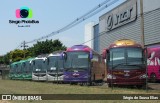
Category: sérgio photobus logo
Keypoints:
(24, 17)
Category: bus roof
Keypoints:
(29, 59)
(79, 48)
(124, 43)
(56, 53)
(154, 46)
(22, 61)
(38, 58)
(14, 63)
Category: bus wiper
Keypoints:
(68, 69)
(135, 65)
(81, 69)
(118, 65)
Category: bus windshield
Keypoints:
(39, 65)
(54, 63)
(126, 58)
(77, 60)
(60, 64)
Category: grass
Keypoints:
(29, 87)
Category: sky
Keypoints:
(52, 15)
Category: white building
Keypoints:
(88, 35)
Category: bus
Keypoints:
(126, 63)
(55, 67)
(83, 65)
(21, 69)
(153, 63)
(39, 69)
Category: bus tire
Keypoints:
(140, 86)
(153, 77)
(109, 85)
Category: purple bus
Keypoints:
(83, 65)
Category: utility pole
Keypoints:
(142, 38)
(24, 47)
(142, 23)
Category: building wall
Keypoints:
(152, 27)
(88, 35)
(131, 29)
(149, 5)
(96, 38)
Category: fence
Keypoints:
(5, 74)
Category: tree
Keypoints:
(45, 47)
(6, 58)
(18, 55)
(1, 60)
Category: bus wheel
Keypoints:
(72, 83)
(81, 84)
(153, 78)
(109, 85)
(89, 84)
(139, 86)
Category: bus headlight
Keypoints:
(86, 76)
(66, 76)
(143, 76)
(110, 76)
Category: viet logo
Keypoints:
(24, 12)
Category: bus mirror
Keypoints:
(33, 62)
(146, 53)
(104, 53)
(61, 56)
(149, 53)
(64, 55)
(91, 55)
